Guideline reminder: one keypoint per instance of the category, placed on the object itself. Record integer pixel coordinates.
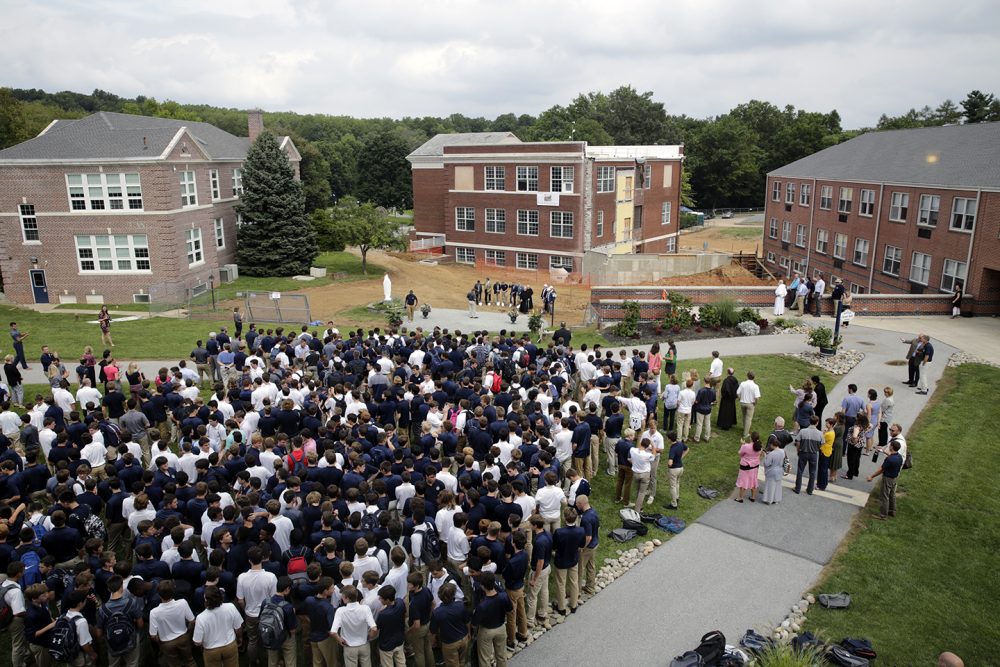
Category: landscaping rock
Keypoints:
(839, 364)
(959, 358)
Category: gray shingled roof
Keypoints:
(954, 155)
(106, 135)
(435, 145)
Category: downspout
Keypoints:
(874, 249)
(972, 241)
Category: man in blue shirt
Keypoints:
(513, 579)
(391, 624)
(538, 582)
(890, 469)
(703, 402)
(450, 623)
(566, 544)
(421, 601)
(18, 341)
(287, 650)
(675, 466)
(591, 524)
(581, 449)
(851, 405)
(491, 617)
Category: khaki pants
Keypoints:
(609, 453)
(130, 659)
(454, 653)
(325, 653)
(358, 656)
(623, 483)
(472, 309)
(286, 653)
(409, 311)
(683, 425)
(551, 525)
(491, 644)
(703, 421)
(799, 305)
(887, 497)
(302, 634)
(223, 656)
(641, 485)
(587, 571)
(517, 618)
(567, 584)
(19, 652)
(747, 409)
(422, 645)
(675, 484)
(203, 372)
(595, 455)
(99, 473)
(41, 655)
(538, 596)
(118, 537)
(254, 649)
(653, 468)
(394, 658)
(582, 466)
(177, 652)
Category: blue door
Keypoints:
(38, 286)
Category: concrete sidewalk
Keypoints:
(740, 565)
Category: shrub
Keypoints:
(747, 314)
(677, 299)
(748, 328)
(394, 314)
(425, 309)
(709, 316)
(783, 323)
(822, 337)
(629, 326)
(763, 324)
(680, 317)
(535, 323)
(728, 313)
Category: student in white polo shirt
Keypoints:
(75, 604)
(218, 630)
(252, 588)
(353, 627)
(169, 626)
(13, 596)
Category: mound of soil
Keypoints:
(724, 276)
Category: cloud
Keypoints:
(387, 58)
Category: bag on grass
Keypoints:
(707, 493)
(622, 535)
(649, 518)
(835, 600)
(687, 659)
(805, 640)
(907, 462)
(859, 647)
(712, 647)
(671, 524)
(754, 641)
(838, 655)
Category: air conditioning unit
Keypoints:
(788, 207)
(567, 187)
(842, 217)
(924, 232)
(140, 298)
(232, 269)
(784, 245)
(226, 274)
(838, 263)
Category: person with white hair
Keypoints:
(780, 292)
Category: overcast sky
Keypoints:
(431, 57)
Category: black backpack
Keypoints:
(430, 544)
(687, 659)
(6, 613)
(64, 642)
(271, 625)
(119, 630)
(369, 521)
(711, 648)
(859, 647)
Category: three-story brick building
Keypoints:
(109, 207)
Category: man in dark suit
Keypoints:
(912, 361)
(821, 401)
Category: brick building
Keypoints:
(898, 212)
(491, 199)
(111, 207)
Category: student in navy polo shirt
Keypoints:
(566, 544)
(287, 650)
(890, 469)
(450, 623)
(491, 618)
(540, 566)
(675, 466)
(418, 634)
(391, 624)
(591, 524)
(321, 611)
(513, 578)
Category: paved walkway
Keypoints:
(740, 565)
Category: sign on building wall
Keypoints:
(548, 199)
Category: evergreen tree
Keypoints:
(276, 238)
(976, 106)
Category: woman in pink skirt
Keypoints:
(750, 453)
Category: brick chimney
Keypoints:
(255, 123)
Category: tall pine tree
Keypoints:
(276, 238)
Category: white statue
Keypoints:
(387, 287)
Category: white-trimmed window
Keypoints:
(822, 241)
(496, 257)
(800, 236)
(789, 193)
(237, 182)
(867, 205)
(527, 260)
(665, 212)
(770, 257)
(858, 289)
(220, 233)
(672, 244)
(496, 221)
(930, 207)
(805, 194)
(892, 260)
(561, 179)
(776, 191)
(963, 214)
(954, 272)
(826, 197)
(920, 268)
(899, 206)
(861, 252)
(527, 179)
(772, 230)
(840, 246)
(118, 253)
(465, 255)
(561, 262)
(213, 179)
(189, 189)
(192, 241)
(600, 223)
(494, 178)
(783, 262)
(29, 223)
(846, 199)
(786, 231)
(605, 179)
(561, 224)
(527, 223)
(101, 192)
(796, 266)
(647, 176)
(465, 219)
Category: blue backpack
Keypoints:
(671, 524)
(32, 573)
(40, 532)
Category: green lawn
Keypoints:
(926, 581)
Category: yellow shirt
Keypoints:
(826, 449)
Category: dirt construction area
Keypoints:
(733, 235)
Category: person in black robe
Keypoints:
(727, 401)
(525, 300)
(821, 401)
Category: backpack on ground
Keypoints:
(632, 521)
(687, 659)
(64, 642)
(838, 655)
(859, 647)
(707, 493)
(369, 521)
(835, 600)
(806, 640)
(622, 535)
(671, 524)
(711, 648)
(430, 544)
(652, 517)
(95, 527)
(297, 564)
(32, 571)
(271, 625)
(754, 642)
(6, 613)
(119, 630)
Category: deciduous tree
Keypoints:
(366, 226)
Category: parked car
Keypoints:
(727, 214)
(709, 215)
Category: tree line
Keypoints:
(727, 156)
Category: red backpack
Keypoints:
(497, 380)
(297, 564)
